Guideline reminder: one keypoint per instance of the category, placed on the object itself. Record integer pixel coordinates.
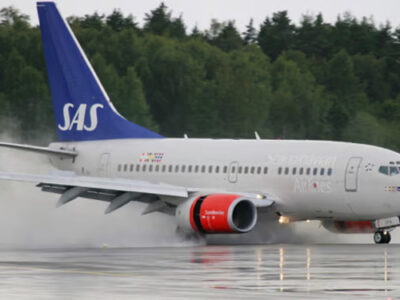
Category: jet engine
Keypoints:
(217, 213)
(349, 226)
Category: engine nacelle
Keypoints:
(217, 213)
(349, 226)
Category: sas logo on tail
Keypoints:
(78, 119)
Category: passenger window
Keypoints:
(190, 168)
(246, 170)
(394, 171)
(119, 168)
(196, 169)
(176, 168)
(150, 168)
(280, 170)
(294, 171)
(329, 171)
(164, 167)
(144, 168)
(157, 168)
(265, 170)
(217, 169)
(170, 168)
(233, 169)
(315, 171)
(286, 171)
(308, 171)
(183, 168)
(137, 168)
(225, 169)
(125, 167)
(384, 170)
(131, 168)
(322, 172)
(252, 169)
(301, 170)
(258, 170)
(203, 169)
(210, 169)
(240, 170)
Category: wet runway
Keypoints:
(234, 272)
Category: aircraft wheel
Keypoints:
(388, 238)
(382, 237)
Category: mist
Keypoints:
(29, 217)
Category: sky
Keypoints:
(201, 12)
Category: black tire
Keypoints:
(382, 237)
(387, 238)
(378, 237)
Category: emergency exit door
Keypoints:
(233, 171)
(104, 162)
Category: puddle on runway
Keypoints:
(235, 272)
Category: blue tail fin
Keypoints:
(82, 108)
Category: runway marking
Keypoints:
(69, 271)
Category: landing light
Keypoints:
(284, 220)
(259, 196)
(308, 221)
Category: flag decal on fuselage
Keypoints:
(151, 157)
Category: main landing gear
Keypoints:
(382, 237)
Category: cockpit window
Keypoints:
(394, 171)
(384, 170)
(389, 170)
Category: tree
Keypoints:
(299, 106)
(160, 22)
(11, 17)
(250, 35)
(244, 93)
(365, 128)
(118, 22)
(343, 83)
(229, 38)
(196, 33)
(276, 35)
(133, 102)
(313, 37)
(95, 21)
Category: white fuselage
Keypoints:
(312, 179)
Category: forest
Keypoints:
(288, 79)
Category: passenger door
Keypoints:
(351, 175)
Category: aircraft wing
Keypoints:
(42, 150)
(119, 184)
(117, 191)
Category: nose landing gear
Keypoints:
(382, 237)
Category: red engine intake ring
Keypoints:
(222, 213)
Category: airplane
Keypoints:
(208, 185)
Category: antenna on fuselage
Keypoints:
(257, 136)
